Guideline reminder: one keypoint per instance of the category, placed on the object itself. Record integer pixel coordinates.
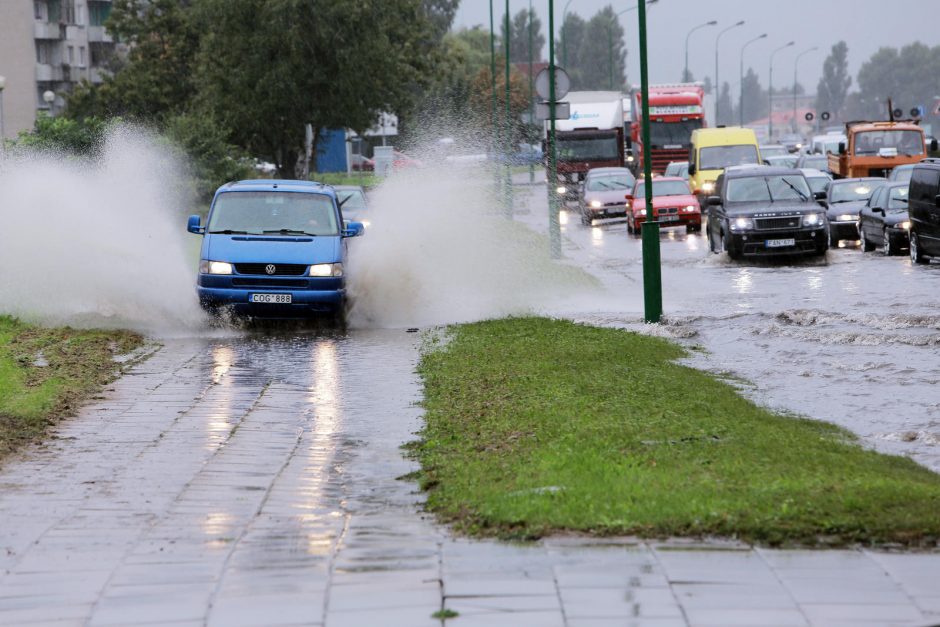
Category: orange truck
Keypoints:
(876, 148)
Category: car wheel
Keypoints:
(863, 242)
(733, 252)
(888, 247)
(917, 256)
(833, 243)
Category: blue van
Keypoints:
(273, 248)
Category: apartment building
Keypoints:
(48, 45)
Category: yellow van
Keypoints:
(713, 150)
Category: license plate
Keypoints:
(668, 218)
(275, 299)
(780, 243)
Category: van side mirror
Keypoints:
(841, 148)
(766, 162)
(819, 195)
(878, 210)
(933, 145)
(691, 169)
(713, 201)
(353, 229)
(193, 226)
(936, 200)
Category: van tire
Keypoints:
(917, 255)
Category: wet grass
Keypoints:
(537, 426)
(46, 374)
(367, 180)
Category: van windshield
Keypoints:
(260, 213)
(720, 157)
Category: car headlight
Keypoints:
(214, 267)
(630, 159)
(690, 208)
(596, 204)
(708, 187)
(846, 217)
(326, 269)
(812, 219)
(740, 224)
(906, 225)
(641, 212)
(561, 189)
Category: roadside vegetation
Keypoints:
(45, 374)
(536, 426)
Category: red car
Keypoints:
(673, 204)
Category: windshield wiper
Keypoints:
(791, 186)
(836, 202)
(229, 232)
(288, 232)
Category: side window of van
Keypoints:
(924, 184)
(692, 157)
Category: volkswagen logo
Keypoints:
(270, 268)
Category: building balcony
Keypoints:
(46, 73)
(98, 34)
(48, 30)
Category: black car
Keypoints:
(924, 209)
(883, 221)
(844, 199)
(763, 211)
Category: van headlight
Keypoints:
(561, 189)
(596, 204)
(846, 217)
(214, 267)
(326, 270)
(812, 219)
(741, 224)
(906, 225)
(708, 187)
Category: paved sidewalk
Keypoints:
(251, 481)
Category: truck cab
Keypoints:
(676, 111)
(875, 148)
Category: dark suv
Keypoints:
(763, 211)
(923, 206)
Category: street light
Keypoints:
(770, 91)
(3, 84)
(49, 97)
(564, 41)
(741, 78)
(717, 82)
(685, 73)
(796, 64)
(610, 40)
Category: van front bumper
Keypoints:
(315, 296)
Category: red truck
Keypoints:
(675, 111)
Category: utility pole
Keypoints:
(493, 132)
(554, 228)
(717, 83)
(741, 77)
(652, 268)
(531, 93)
(770, 93)
(507, 126)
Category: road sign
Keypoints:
(562, 84)
(824, 116)
(562, 110)
(917, 112)
(899, 112)
(809, 116)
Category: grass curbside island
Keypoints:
(537, 426)
(47, 373)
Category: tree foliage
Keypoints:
(725, 105)
(602, 54)
(440, 13)
(909, 76)
(65, 135)
(834, 84)
(755, 98)
(519, 37)
(568, 46)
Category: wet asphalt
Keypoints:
(253, 478)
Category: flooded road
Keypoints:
(854, 339)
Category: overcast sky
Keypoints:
(865, 25)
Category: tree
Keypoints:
(267, 68)
(440, 13)
(464, 54)
(568, 45)
(835, 81)
(603, 53)
(725, 105)
(518, 95)
(62, 134)
(519, 37)
(755, 105)
(909, 76)
(157, 79)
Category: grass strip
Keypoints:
(535, 426)
(46, 374)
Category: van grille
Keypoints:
(280, 269)
(789, 222)
(260, 282)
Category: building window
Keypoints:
(98, 12)
(81, 56)
(71, 55)
(39, 10)
(69, 11)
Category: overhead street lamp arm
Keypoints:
(741, 77)
(717, 82)
(796, 64)
(689, 34)
(770, 91)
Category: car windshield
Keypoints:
(608, 181)
(678, 168)
(588, 149)
(850, 192)
(258, 213)
(767, 188)
(897, 201)
(720, 157)
(888, 143)
(902, 174)
(817, 163)
(784, 161)
(818, 183)
(663, 188)
(351, 199)
(773, 151)
(673, 133)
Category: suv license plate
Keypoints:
(780, 243)
(277, 299)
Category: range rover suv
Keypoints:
(765, 211)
